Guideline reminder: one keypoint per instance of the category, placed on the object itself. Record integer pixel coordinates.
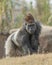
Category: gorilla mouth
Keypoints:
(31, 32)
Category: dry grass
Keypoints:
(35, 59)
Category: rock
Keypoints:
(45, 40)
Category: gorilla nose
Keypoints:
(30, 29)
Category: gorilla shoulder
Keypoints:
(38, 28)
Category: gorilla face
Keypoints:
(31, 28)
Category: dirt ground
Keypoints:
(35, 59)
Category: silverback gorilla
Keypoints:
(25, 40)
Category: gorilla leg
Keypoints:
(22, 51)
(10, 47)
(27, 50)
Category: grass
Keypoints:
(35, 59)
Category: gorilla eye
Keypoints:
(33, 25)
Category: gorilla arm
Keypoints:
(21, 39)
(35, 37)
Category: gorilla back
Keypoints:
(18, 44)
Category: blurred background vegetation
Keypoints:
(13, 11)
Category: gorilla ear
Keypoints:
(38, 28)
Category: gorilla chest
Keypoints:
(33, 40)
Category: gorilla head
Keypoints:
(30, 24)
(30, 28)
